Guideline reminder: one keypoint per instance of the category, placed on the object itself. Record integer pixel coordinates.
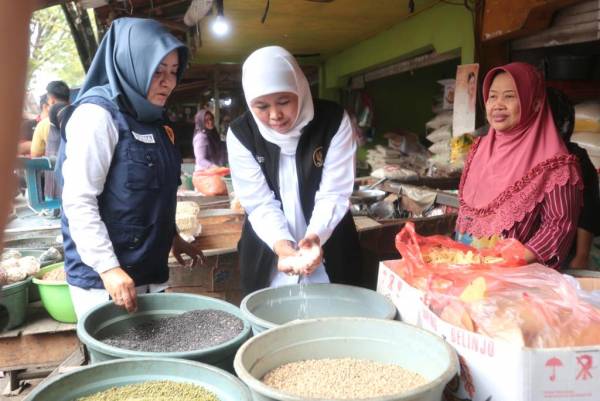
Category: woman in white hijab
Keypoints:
(292, 165)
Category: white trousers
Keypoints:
(86, 299)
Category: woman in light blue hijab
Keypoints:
(123, 66)
(121, 169)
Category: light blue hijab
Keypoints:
(125, 62)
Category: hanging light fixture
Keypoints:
(220, 26)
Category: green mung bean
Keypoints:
(162, 390)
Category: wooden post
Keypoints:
(82, 32)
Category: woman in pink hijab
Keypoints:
(520, 181)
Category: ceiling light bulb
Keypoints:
(220, 27)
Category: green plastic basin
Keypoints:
(385, 341)
(14, 298)
(108, 319)
(55, 296)
(99, 377)
(272, 307)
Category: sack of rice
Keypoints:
(394, 172)
(587, 117)
(590, 141)
(440, 147)
(443, 133)
(441, 119)
(186, 218)
(440, 159)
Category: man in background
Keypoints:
(57, 92)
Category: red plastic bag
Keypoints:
(210, 181)
(424, 273)
(530, 305)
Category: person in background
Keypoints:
(589, 224)
(209, 150)
(57, 92)
(37, 147)
(27, 127)
(44, 108)
(52, 188)
(292, 167)
(121, 168)
(519, 181)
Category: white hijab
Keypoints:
(270, 70)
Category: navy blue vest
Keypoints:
(137, 204)
(342, 257)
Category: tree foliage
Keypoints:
(52, 51)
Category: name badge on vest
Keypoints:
(146, 138)
(318, 157)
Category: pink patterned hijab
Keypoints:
(508, 173)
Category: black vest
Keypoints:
(137, 204)
(342, 250)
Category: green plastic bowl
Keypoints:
(272, 307)
(107, 319)
(384, 341)
(14, 297)
(55, 296)
(116, 373)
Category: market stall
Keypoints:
(445, 318)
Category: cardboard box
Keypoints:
(232, 296)
(221, 272)
(494, 370)
(589, 283)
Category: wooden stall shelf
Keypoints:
(221, 231)
(36, 347)
(220, 272)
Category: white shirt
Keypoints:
(91, 140)
(265, 213)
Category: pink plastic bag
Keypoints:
(210, 181)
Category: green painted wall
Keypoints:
(444, 27)
(324, 92)
(404, 101)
